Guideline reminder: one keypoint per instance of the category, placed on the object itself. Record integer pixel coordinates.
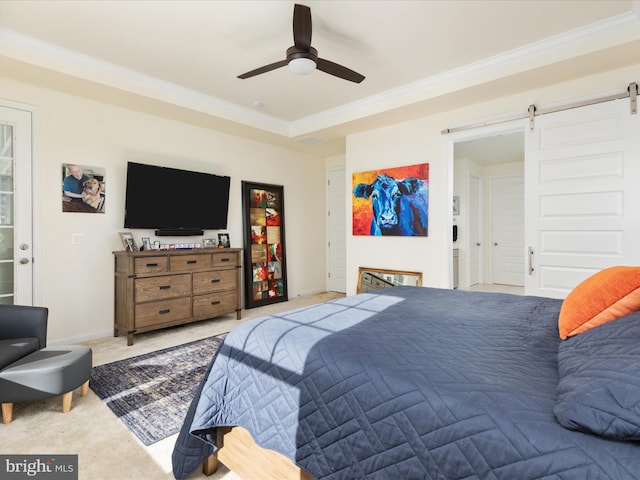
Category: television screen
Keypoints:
(172, 199)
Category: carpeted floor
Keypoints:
(106, 449)
(151, 393)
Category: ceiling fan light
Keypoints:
(302, 66)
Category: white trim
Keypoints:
(611, 31)
(47, 55)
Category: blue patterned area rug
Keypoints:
(151, 393)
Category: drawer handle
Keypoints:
(215, 280)
(191, 262)
(162, 312)
(165, 287)
(217, 302)
(225, 259)
(152, 265)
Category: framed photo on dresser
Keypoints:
(265, 271)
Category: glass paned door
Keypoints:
(16, 215)
(6, 215)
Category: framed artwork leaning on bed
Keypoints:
(265, 269)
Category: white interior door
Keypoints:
(507, 230)
(582, 195)
(337, 229)
(16, 257)
(475, 230)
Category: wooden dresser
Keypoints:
(162, 288)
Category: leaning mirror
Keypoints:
(376, 278)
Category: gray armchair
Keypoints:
(29, 370)
(23, 330)
(19, 321)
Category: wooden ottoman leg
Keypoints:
(66, 402)
(7, 413)
(84, 389)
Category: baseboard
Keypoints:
(80, 338)
(306, 293)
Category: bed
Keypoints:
(416, 382)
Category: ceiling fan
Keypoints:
(302, 58)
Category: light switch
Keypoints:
(77, 238)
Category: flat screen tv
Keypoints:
(174, 201)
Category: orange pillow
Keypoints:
(609, 294)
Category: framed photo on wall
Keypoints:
(265, 269)
(83, 188)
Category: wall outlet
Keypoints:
(77, 238)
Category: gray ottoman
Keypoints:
(46, 373)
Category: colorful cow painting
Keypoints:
(392, 201)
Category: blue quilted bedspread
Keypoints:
(410, 382)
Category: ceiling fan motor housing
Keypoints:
(293, 53)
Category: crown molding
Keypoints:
(46, 55)
(560, 47)
(610, 32)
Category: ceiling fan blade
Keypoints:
(339, 71)
(302, 27)
(265, 69)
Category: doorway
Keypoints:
(482, 162)
(16, 206)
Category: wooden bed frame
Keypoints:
(240, 454)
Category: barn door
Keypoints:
(582, 195)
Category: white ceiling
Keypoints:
(181, 58)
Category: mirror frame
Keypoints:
(386, 271)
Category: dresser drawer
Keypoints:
(157, 288)
(213, 304)
(151, 265)
(189, 263)
(155, 313)
(214, 281)
(223, 259)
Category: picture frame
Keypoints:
(265, 271)
(209, 243)
(411, 209)
(146, 243)
(223, 240)
(128, 242)
(456, 205)
(83, 188)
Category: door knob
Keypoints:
(477, 244)
(24, 260)
(24, 246)
(495, 244)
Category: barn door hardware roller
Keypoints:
(633, 97)
(532, 116)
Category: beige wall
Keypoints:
(421, 141)
(77, 280)
(77, 283)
